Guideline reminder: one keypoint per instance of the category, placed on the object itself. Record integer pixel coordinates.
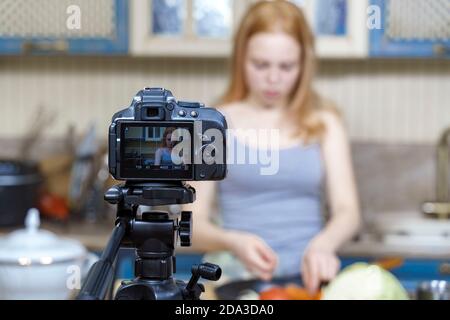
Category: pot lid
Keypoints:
(36, 246)
(14, 172)
(13, 167)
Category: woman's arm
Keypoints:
(254, 253)
(320, 262)
(207, 237)
(158, 157)
(341, 187)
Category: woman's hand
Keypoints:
(254, 253)
(319, 264)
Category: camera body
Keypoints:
(158, 138)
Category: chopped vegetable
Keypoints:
(362, 281)
(289, 292)
(248, 295)
(274, 293)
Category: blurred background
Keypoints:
(67, 65)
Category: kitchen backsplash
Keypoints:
(393, 101)
(390, 177)
(394, 178)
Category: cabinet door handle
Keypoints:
(56, 46)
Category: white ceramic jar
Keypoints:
(36, 264)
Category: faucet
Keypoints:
(441, 207)
(443, 167)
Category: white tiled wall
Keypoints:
(383, 101)
(391, 101)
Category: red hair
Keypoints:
(270, 16)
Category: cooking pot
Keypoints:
(19, 186)
(36, 264)
(433, 290)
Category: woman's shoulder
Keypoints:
(332, 121)
(229, 107)
(162, 150)
(231, 112)
(329, 114)
(330, 117)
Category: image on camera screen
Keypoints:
(156, 151)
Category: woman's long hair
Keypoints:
(164, 143)
(279, 15)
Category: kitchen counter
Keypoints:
(428, 260)
(93, 236)
(398, 246)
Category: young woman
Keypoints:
(273, 225)
(164, 154)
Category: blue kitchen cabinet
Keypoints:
(412, 271)
(410, 29)
(26, 28)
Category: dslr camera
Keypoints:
(155, 145)
(158, 138)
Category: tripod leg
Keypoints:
(101, 274)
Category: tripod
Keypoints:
(153, 235)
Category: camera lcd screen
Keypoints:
(156, 150)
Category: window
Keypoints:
(184, 27)
(154, 134)
(198, 18)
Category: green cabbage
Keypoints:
(362, 281)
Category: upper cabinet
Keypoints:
(411, 28)
(64, 26)
(205, 28)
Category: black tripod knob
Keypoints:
(206, 271)
(113, 195)
(184, 230)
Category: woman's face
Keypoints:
(272, 67)
(168, 140)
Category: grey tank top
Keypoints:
(284, 209)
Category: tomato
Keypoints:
(274, 293)
(299, 293)
(289, 292)
(53, 206)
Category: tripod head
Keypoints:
(153, 234)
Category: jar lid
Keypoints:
(36, 246)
